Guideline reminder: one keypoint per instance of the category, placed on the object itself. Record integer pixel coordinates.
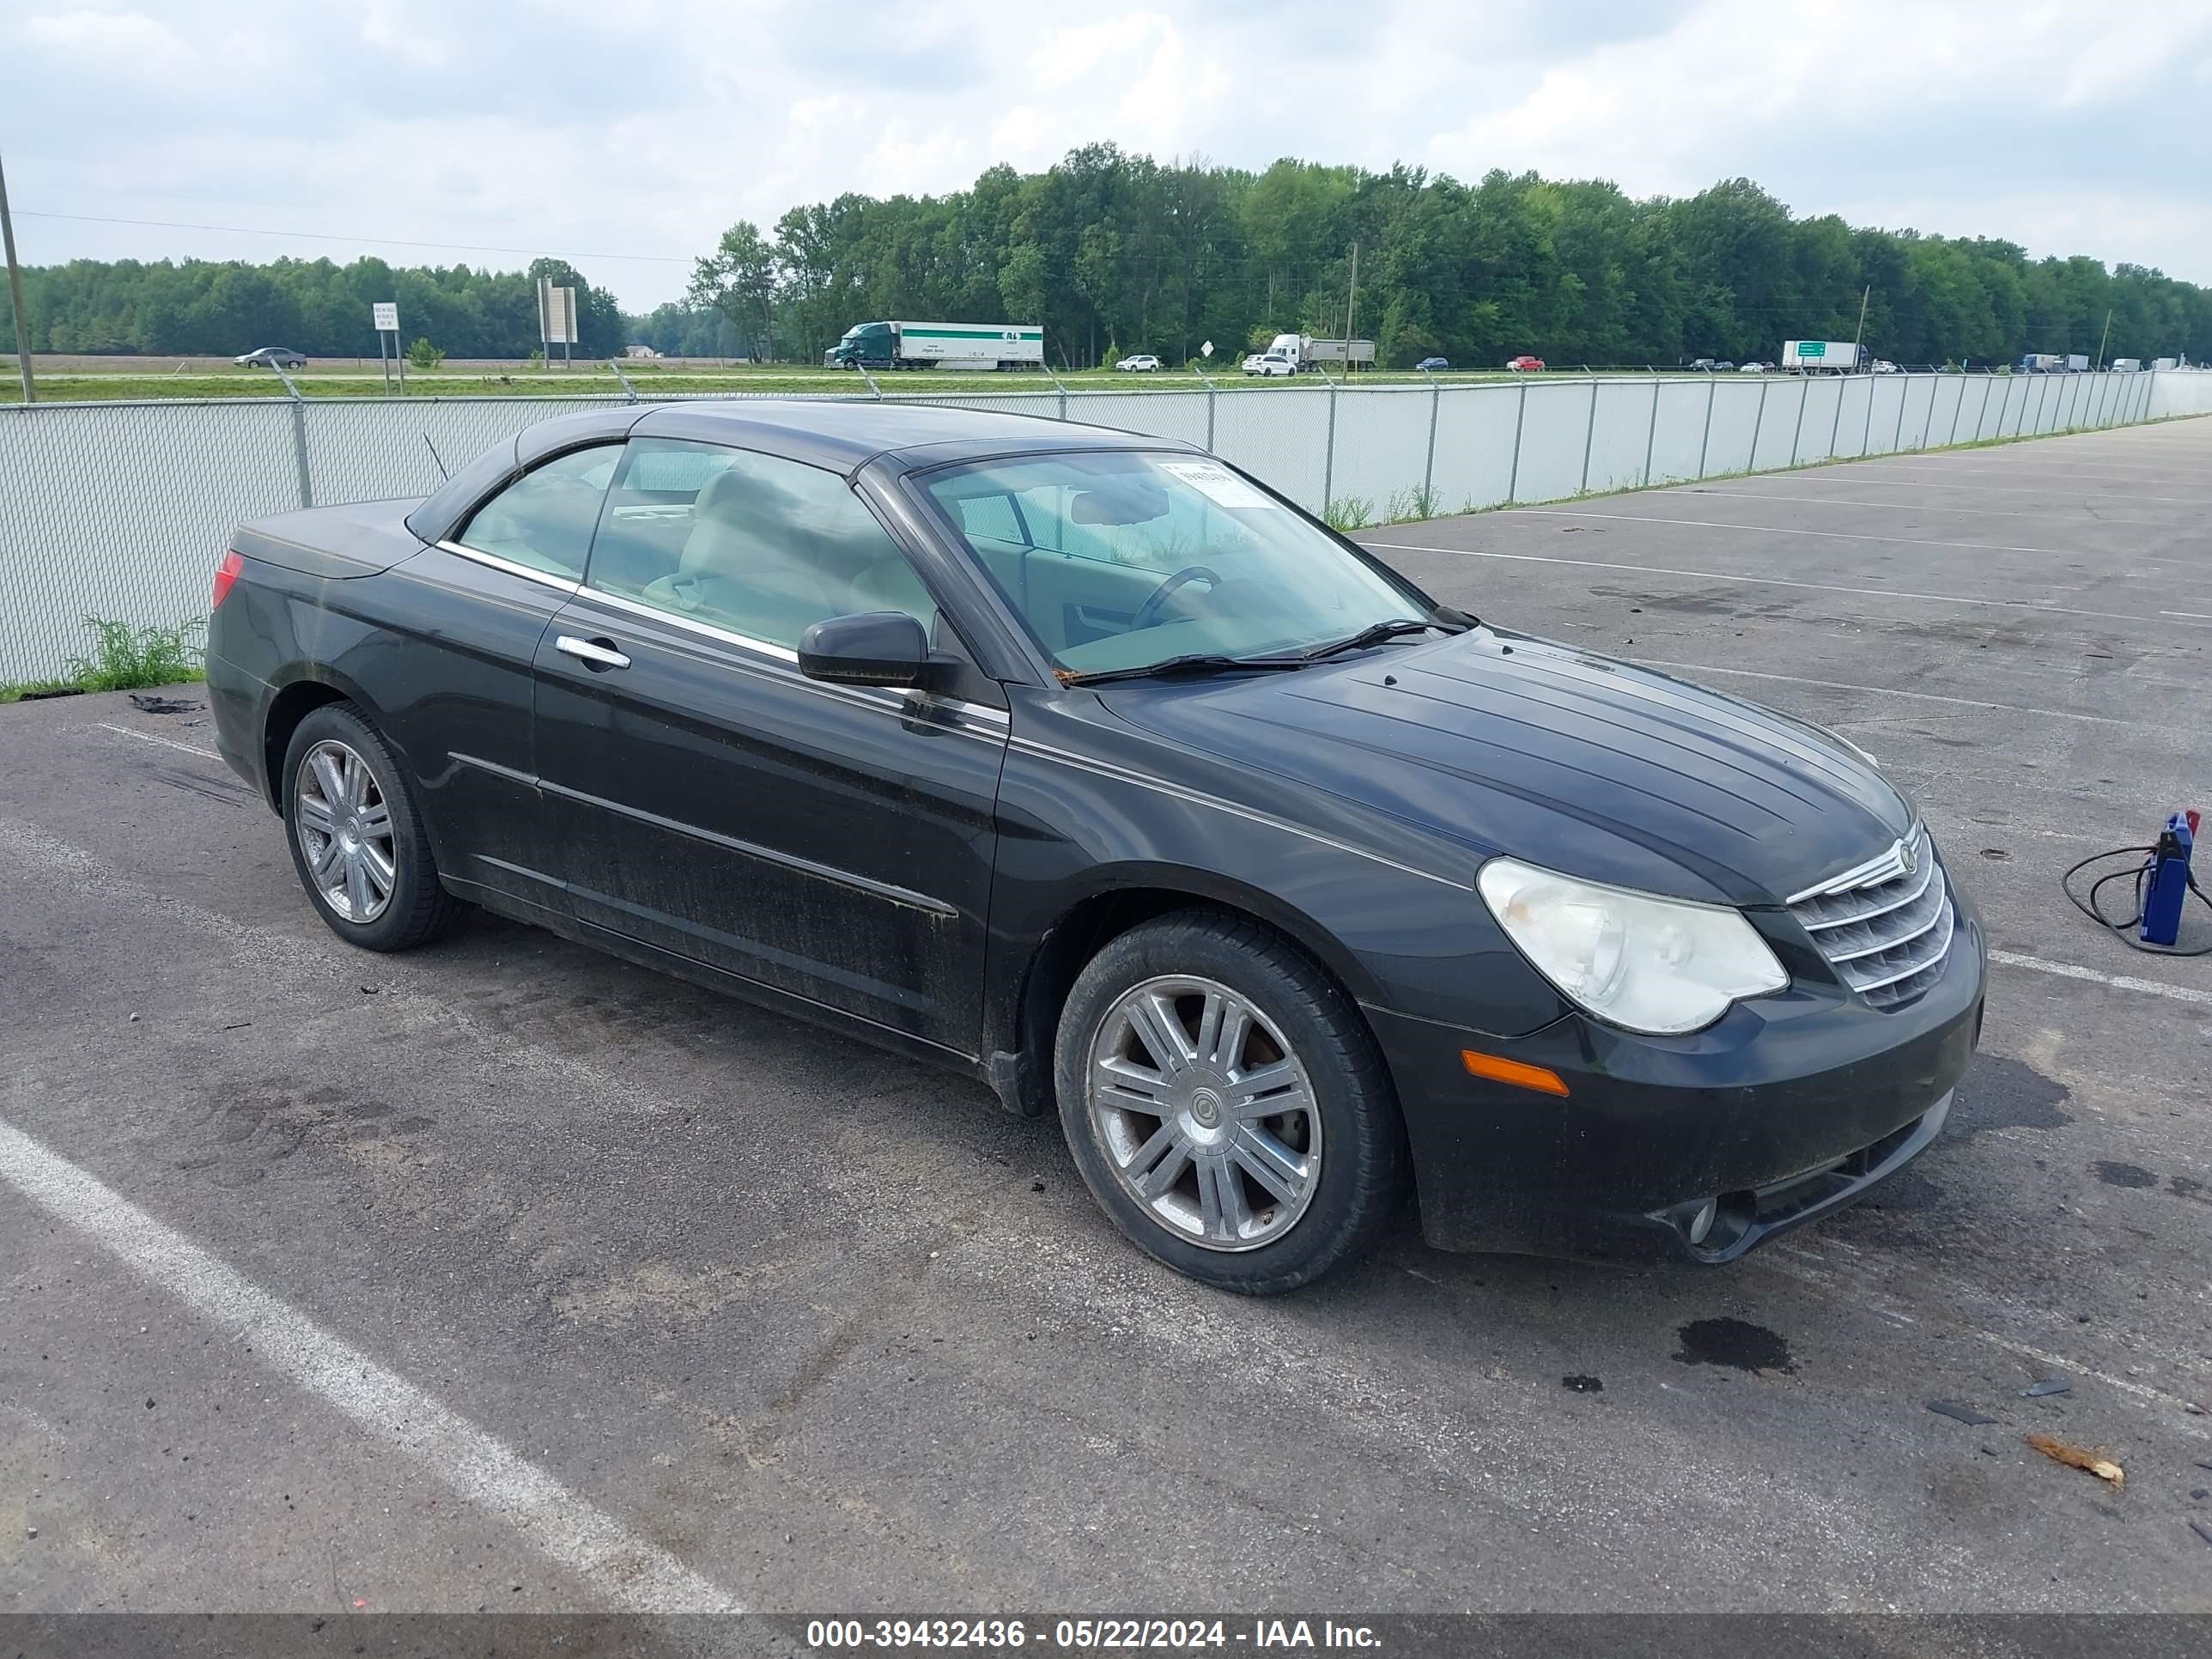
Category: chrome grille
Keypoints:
(1885, 927)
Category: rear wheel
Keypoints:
(356, 837)
(1226, 1103)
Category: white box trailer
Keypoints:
(940, 345)
(1821, 356)
(1305, 351)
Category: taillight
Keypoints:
(225, 574)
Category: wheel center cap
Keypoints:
(1205, 1107)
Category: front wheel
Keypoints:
(356, 837)
(1226, 1103)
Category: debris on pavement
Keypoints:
(1953, 1409)
(2076, 1457)
(147, 703)
(1579, 1384)
(2197, 1527)
(2047, 1385)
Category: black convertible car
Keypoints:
(1084, 763)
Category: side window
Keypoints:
(760, 545)
(545, 519)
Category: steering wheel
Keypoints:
(1149, 611)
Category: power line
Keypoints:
(319, 236)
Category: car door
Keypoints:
(835, 844)
(455, 684)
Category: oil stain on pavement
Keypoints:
(1736, 1344)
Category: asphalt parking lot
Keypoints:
(507, 1276)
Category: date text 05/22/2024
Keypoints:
(1291, 1636)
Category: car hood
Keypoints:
(1583, 763)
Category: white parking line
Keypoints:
(2095, 977)
(1923, 478)
(631, 1573)
(167, 743)
(1900, 507)
(1888, 691)
(2008, 490)
(1773, 581)
(1774, 529)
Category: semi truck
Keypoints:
(1821, 357)
(2054, 363)
(1304, 351)
(938, 345)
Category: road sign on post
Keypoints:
(557, 317)
(1205, 349)
(384, 313)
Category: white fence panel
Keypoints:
(122, 511)
(1177, 414)
(1678, 430)
(1554, 432)
(1382, 451)
(1739, 417)
(1777, 434)
(1282, 435)
(1477, 428)
(1620, 436)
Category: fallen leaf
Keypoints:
(2074, 1457)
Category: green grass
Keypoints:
(124, 658)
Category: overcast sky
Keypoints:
(594, 128)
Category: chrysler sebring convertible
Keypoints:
(1084, 764)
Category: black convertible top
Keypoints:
(843, 435)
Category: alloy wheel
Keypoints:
(344, 826)
(1206, 1115)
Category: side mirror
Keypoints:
(876, 647)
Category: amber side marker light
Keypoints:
(1512, 1070)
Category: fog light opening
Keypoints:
(1701, 1224)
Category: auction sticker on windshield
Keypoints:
(1217, 484)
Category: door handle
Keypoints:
(594, 654)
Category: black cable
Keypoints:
(2141, 874)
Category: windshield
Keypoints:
(1120, 559)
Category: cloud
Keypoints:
(646, 128)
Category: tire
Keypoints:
(337, 771)
(1222, 1189)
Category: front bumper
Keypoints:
(1789, 1107)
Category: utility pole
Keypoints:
(1859, 339)
(2105, 339)
(1350, 300)
(15, 295)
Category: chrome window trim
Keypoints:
(1106, 768)
(492, 560)
(727, 636)
(973, 720)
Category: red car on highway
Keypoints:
(1525, 364)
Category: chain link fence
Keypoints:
(121, 510)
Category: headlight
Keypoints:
(1650, 964)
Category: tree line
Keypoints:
(220, 308)
(1115, 252)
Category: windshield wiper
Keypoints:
(1196, 664)
(1375, 635)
